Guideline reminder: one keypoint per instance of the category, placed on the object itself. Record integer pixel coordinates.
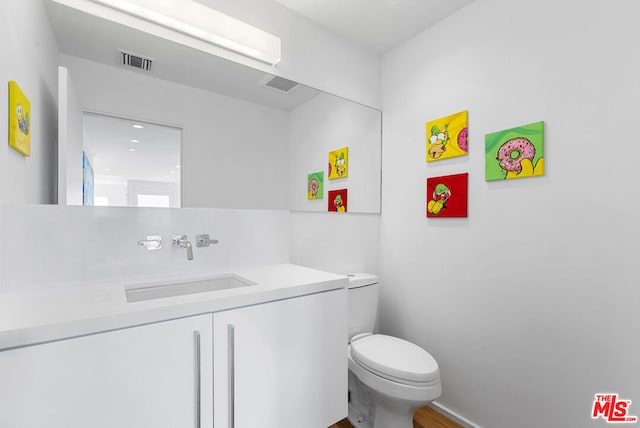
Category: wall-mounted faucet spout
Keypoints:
(180, 241)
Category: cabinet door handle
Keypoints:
(198, 374)
(232, 375)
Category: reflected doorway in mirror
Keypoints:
(135, 163)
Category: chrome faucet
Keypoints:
(180, 241)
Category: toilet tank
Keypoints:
(363, 303)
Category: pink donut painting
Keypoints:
(463, 143)
(513, 152)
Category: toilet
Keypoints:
(389, 378)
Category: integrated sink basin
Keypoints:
(138, 293)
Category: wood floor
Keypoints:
(424, 417)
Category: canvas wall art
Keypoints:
(447, 195)
(515, 153)
(339, 163)
(87, 181)
(19, 120)
(338, 200)
(448, 137)
(315, 185)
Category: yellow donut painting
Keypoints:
(447, 137)
(19, 120)
(339, 163)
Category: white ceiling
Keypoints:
(379, 25)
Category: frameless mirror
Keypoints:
(249, 139)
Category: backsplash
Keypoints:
(46, 246)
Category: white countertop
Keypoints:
(39, 316)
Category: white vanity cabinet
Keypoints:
(282, 364)
(157, 375)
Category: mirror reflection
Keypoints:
(135, 163)
(249, 139)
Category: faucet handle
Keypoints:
(203, 240)
(153, 242)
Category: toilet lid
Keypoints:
(395, 357)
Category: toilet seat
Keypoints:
(395, 359)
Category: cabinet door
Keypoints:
(145, 376)
(282, 364)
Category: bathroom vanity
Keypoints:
(269, 353)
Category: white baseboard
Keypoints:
(466, 423)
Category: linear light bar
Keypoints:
(203, 23)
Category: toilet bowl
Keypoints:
(389, 378)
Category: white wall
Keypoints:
(326, 123)
(339, 243)
(49, 246)
(530, 305)
(29, 57)
(232, 150)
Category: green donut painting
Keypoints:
(515, 153)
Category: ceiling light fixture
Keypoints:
(206, 24)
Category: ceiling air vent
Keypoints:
(135, 61)
(279, 83)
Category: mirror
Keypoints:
(249, 140)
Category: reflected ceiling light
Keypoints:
(132, 149)
(206, 24)
(135, 141)
(138, 126)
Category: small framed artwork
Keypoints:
(87, 181)
(447, 195)
(339, 163)
(515, 153)
(448, 137)
(19, 120)
(315, 183)
(338, 201)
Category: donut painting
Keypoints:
(447, 195)
(315, 182)
(447, 137)
(515, 153)
(339, 163)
